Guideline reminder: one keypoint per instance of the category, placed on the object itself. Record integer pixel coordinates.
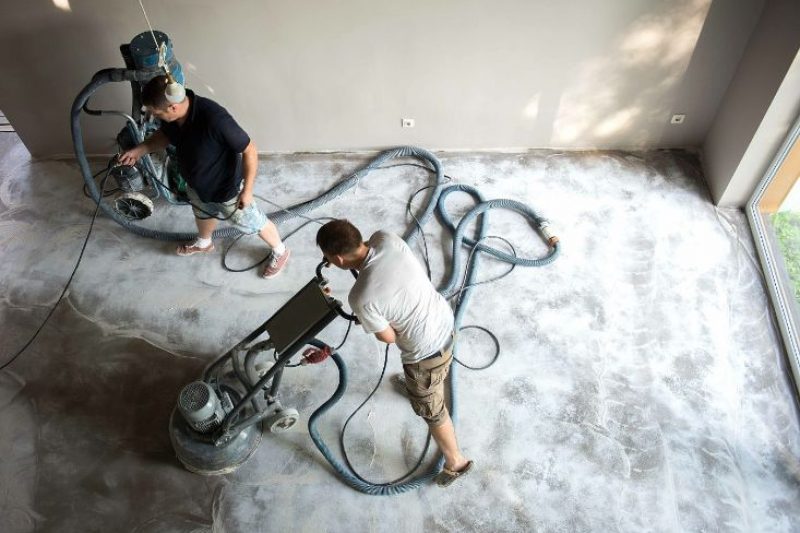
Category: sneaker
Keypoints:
(275, 264)
(191, 248)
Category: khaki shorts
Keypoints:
(425, 385)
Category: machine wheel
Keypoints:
(133, 205)
(282, 420)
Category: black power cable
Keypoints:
(318, 220)
(74, 270)
(459, 293)
(344, 430)
(178, 194)
(286, 237)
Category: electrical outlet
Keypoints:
(407, 122)
(677, 119)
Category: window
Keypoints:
(774, 214)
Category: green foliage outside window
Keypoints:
(787, 230)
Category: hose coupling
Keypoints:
(550, 237)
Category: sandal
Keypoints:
(446, 477)
(190, 248)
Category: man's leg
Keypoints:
(205, 227)
(280, 253)
(445, 436)
(203, 243)
(424, 383)
(251, 220)
(269, 234)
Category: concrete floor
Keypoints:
(641, 385)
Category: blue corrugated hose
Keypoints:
(436, 203)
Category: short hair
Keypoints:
(339, 237)
(154, 94)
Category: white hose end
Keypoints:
(550, 237)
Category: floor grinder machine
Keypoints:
(218, 421)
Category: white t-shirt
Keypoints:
(392, 289)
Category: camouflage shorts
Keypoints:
(249, 220)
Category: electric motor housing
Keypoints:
(128, 178)
(201, 407)
(144, 53)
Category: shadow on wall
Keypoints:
(611, 96)
(42, 95)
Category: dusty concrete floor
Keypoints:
(641, 385)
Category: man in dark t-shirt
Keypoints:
(208, 142)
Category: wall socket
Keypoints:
(407, 122)
(677, 119)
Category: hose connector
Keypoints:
(550, 237)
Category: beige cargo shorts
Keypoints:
(425, 385)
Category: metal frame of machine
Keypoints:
(218, 422)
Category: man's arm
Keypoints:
(387, 335)
(249, 171)
(157, 141)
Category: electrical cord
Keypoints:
(317, 220)
(465, 286)
(459, 293)
(344, 430)
(178, 194)
(105, 194)
(286, 237)
(494, 339)
(74, 270)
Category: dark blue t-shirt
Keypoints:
(208, 144)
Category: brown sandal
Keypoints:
(446, 477)
(190, 249)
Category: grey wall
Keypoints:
(759, 107)
(322, 75)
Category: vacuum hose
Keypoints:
(435, 203)
(460, 240)
(278, 217)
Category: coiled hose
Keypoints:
(460, 240)
(278, 217)
(436, 203)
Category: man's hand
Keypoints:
(245, 199)
(312, 356)
(130, 157)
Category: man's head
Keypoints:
(155, 99)
(341, 244)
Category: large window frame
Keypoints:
(778, 285)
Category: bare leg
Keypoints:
(269, 234)
(445, 436)
(205, 227)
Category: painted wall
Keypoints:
(321, 75)
(759, 107)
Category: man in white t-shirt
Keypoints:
(395, 301)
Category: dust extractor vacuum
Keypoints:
(218, 421)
